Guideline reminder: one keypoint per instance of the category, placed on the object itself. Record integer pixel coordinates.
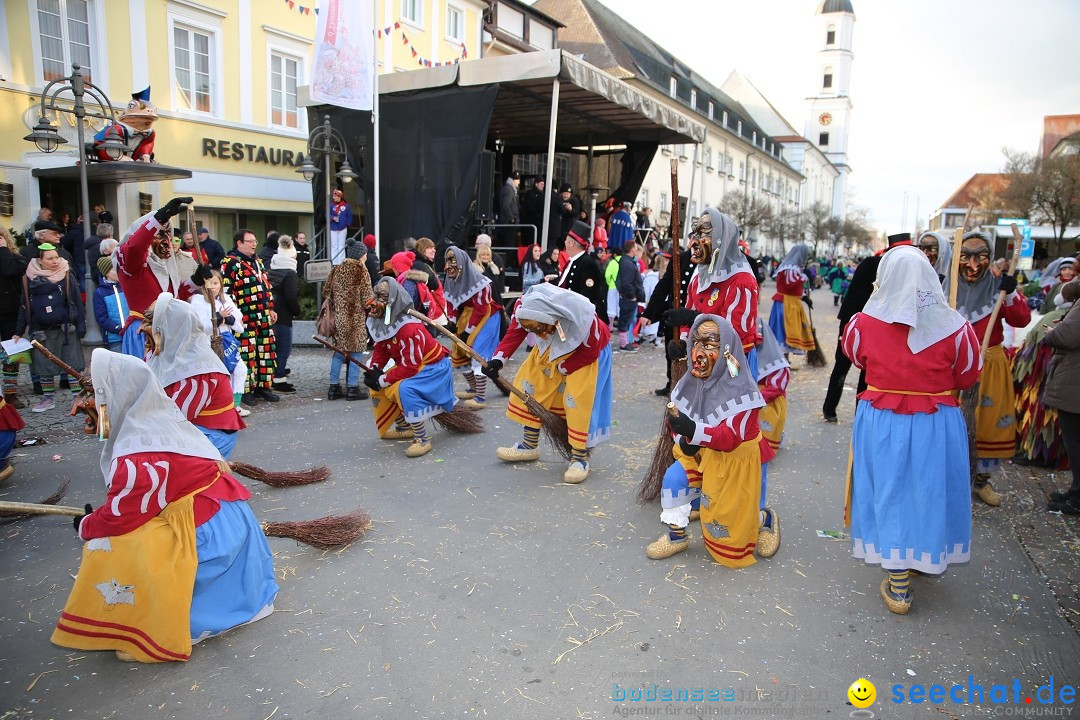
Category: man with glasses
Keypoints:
(244, 278)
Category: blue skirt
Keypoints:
(911, 491)
(7, 443)
(225, 442)
(600, 419)
(131, 342)
(776, 323)
(234, 582)
(430, 391)
(488, 338)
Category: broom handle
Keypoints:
(1017, 238)
(85, 384)
(40, 509)
(465, 347)
(954, 266)
(339, 351)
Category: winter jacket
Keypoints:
(63, 294)
(1063, 376)
(628, 280)
(286, 286)
(349, 288)
(12, 270)
(110, 310)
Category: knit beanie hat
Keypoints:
(285, 246)
(104, 265)
(402, 261)
(354, 250)
(369, 240)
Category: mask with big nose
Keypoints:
(379, 301)
(974, 260)
(452, 268)
(701, 240)
(705, 349)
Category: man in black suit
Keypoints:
(663, 299)
(583, 273)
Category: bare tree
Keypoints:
(821, 226)
(748, 211)
(1046, 190)
(784, 226)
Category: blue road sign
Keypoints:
(1027, 245)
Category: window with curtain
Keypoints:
(193, 62)
(283, 81)
(64, 34)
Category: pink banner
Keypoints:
(344, 67)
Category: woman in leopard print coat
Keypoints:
(349, 288)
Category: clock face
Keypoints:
(825, 118)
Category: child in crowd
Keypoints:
(110, 305)
(215, 305)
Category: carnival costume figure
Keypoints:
(568, 371)
(995, 412)
(790, 319)
(476, 314)
(420, 384)
(191, 373)
(134, 131)
(146, 266)
(910, 502)
(175, 554)
(718, 451)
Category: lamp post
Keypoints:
(47, 139)
(329, 142)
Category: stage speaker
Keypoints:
(485, 186)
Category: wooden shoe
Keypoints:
(665, 547)
(517, 454)
(13, 400)
(7, 472)
(768, 539)
(397, 434)
(465, 394)
(895, 603)
(987, 494)
(576, 473)
(695, 515)
(124, 656)
(474, 404)
(417, 448)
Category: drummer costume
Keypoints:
(568, 371)
(143, 276)
(175, 554)
(995, 413)
(420, 385)
(789, 319)
(477, 316)
(192, 374)
(718, 451)
(910, 502)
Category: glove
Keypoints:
(371, 378)
(687, 448)
(170, 209)
(218, 319)
(202, 274)
(492, 368)
(463, 336)
(676, 350)
(1008, 284)
(77, 520)
(682, 425)
(809, 303)
(678, 317)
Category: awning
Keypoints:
(594, 107)
(114, 172)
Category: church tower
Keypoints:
(830, 109)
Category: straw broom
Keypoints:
(814, 358)
(553, 426)
(325, 532)
(459, 420)
(15, 514)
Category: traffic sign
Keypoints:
(1027, 245)
(1020, 222)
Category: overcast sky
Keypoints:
(938, 87)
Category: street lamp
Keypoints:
(47, 139)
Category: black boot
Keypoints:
(335, 393)
(356, 393)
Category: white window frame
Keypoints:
(664, 202)
(210, 25)
(673, 87)
(712, 110)
(418, 21)
(99, 65)
(693, 98)
(301, 75)
(450, 7)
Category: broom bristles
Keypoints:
(325, 532)
(554, 427)
(460, 420)
(816, 358)
(53, 499)
(649, 488)
(281, 479)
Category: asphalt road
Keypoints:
(496, 591)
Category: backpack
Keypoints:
(47, 304)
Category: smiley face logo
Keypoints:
(862, 693)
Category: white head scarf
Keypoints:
(719, 396)
(185, 347)
(727, 259)
(909, 293)
(549, 304)
(142, 418)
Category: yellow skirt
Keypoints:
(797, 324)
(133, 591)
(571, 396)
(995, 415)
(771, 418)
(458, 357)
(730, 497)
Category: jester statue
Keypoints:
(134, 130)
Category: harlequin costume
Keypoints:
(245, 280)
(910, 500)
(995, 412)
(192, 374)
(789, 319)
(420, 384)
(175, 554)
(568, 371)
(143, 274)
(470, 305)
(718, 451)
